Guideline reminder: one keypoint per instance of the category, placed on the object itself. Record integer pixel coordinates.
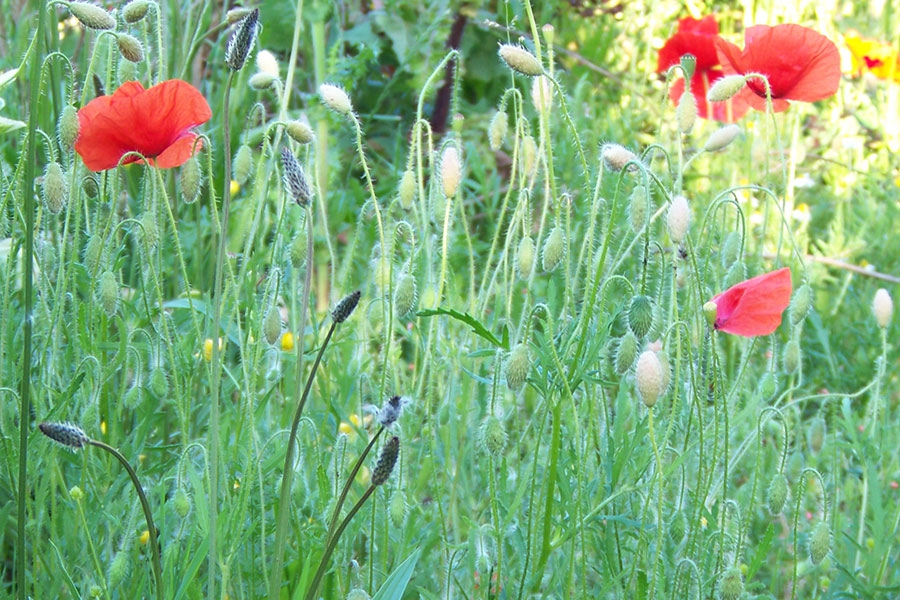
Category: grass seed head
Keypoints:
(68, 434)
(241, 42)
(345, 307)
(294, 179)
(386, 461)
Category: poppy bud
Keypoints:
(108, 293)
(67, 434)
(792, 357)
(777, 493)
(93, 254)
(397, 510)
(800, 304)
(882, 308)
(130, 47)
(135, 11)
(767, 386)
(688, 64)
(493, 436)
(721, 138)
(67, 128)
(679, 218)
(127, 71)
(451, 170)
(529, 155)
(261, 81)
(386, 461)
(638, 208)
(731, 249)
(91, 16)
(541, 94)
(267, 63)
(149, 230)
(89, 186)
(191, 180)
(345, 307)
(272, 326)
(815, 435)
(405, 295)
(497, 129)
(300, 132)
(294, 179)
(243, 163)
(335, 98)
(299, 249)
(648, 375)
(521, 60)
(626, 353)
(55, 188)
(640, 315)
(181, 503)
(517, 366)
(119, 568)
(525, 257)
(731, 586)
(242, 41)
(407, 189)
(725, 87)
(554, 249)
(819, 543)
(686, 112)
(616, 157)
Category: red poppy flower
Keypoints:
(156, 122)
(800, 64)
(698, 37)
(754, 307)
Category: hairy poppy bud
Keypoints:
(638, 208)
(149, 229)
(300, 132)
(517, 366)
(529, 155)
(521, 60)
(792, 357)
(135, 11)
(497, 129)
(626, 353)
(241, 42)
(554, 249)
(493, 436)
(648, 375)
(731, 586)
(335, 98)
(721, 138)
(405, 295)
(800, 304)
(91, 16)
(451, 170)
(541, 94)
(407, 190)
(525, 257)
(815, 435)
(243, 163)
(55, 188)
(616, 157)
(299, 249)
(181, 502)
(640, 315)
(686, 112)
(159, 382)
(191, 180)
(108, 293)
(777, 493)
(67, 128)
(130, 47)
(882, 308)
(397, 510)
(267, 63)
(119, 568)
(679, 219)
(272, 326)
(726, 87)
(819, 543)
(261, 81)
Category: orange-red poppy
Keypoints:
(698, 37)
(155, 122)
(754, 307)
(799, 63)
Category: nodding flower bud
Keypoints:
(406, 294)
(679, 218)
(882, 308)
(520, 60)
(335, 98)
(67, 434)
(451, 170)
(191, 180)
(525, 257)
(686, 112)
(243, 163)
(726, 87)
(130, 47)
(242, 41)
(517, 366)
(261, 81)
(617, 157)
(68, 126)
(777, 493)
(731, 586)
(299, 131)
(497, 129)
(294, 179)
(91, 16)
(55, 188)
(407, 189)
(819, 543)
(721, 138)
(651, 381)
(135, 11)
(345, 307)
(554, 249)
(386, 461)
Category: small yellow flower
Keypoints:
(208, 348)
(236, 485)
(103, 427)
(287, 341)
(145, 537)
(349, 428)
(235, 187)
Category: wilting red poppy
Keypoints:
(698, 37)
(754, 307)
(800, 64)
(156, 122)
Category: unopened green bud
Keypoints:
(135, 11)
(89, 186)
(649, 377)
(767, 386)
(554, 249)
(819, 543)
(521, 60)
(300, 132)
(686, 112)
(93, 254)
(407, 190)
(638, 208)
(91, 16)
(721, 138)
(777, 493)
(335, 98)
(792, 357)
(529, 155)
(617, 157)
(815, 435)
(243, 163)
(130, 47)
(108, 293)
(272, 326)
(191, 180)
(525, 257)
(800, 304)
(398, 509)
(119, 568)
(181, 503)
(731, 586)
(735, 274)
(640, 315)
(261, 81)
(493, 436)
(626, 353)
(451, 170)
(731, 249)
(726, 87)
(497, 130)
(68, 126)
(159, 383)
(55, 188)
(299, 249)
(149, 229)
(406, 294)
(517, 367)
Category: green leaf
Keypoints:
(7, 77)
(8, 125)
(398, 580)
(469, 320)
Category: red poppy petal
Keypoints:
(707, 25)
(178, 153)
(168, 110)
(754, 307)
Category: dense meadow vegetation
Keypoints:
(445, 300)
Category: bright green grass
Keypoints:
(567, 485)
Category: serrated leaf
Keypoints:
(469, 320)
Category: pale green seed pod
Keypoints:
(497, 130)
(638, 208)
(407, 189)
(130, 47)
(108, 293)
(91, 16)
(777, 493)
(181, 503)
(242, 164)
(67, 128)
(792, 357)
(731, 585)
(94, 254)
(520, 60)
(517, 366)
(191, 180)
(493, 436)
(525, 257)
(626, 353)
(406, 294)
(299, 249)
(819, 543)
(800, 304)
(135, 11)
(640, 315)
(55, 188)
(554, 250)
(721, 138)
(149, 230)
(272, 326)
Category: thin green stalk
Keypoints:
(92, 549)
(349, 481)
